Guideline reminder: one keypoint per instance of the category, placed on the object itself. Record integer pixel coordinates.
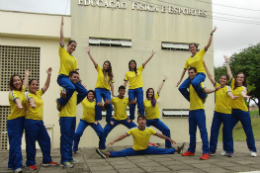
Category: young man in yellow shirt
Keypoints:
(197, 117)
(120, 116)
(141, 136)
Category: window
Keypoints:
(4, 112)
(175, 46)
(175, 112)
(110, 42)
(15, 60)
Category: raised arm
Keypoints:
(118, 139)
(148, 59)
(182, 75)
(90, 56)
(48, 80)
(160, 87)
(26, 76)
(212, 80)
(165, 137)
(229, 72)
(210, 38)
(61, 32)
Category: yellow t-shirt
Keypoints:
(120, 108)
(89, 111)
(141, 137)
(150, 111)
(101, 82)
(135, 80)
(69, 110)
(223, 104)
(195, 101)
(196, 61)
(15, 112)
(67, 62)
(35, 113)
(239, 103)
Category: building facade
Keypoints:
(118, 31)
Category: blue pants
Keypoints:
(136, 93)
(149, 150)
(106, 95)
(227, 132)
(79, 132)
(198, 118)
(67, 129)
(15, 133)
(200, 77)
(66, 83)
(109, 127)
(244, 118)
(163, 128)
(35, 130)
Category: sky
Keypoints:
(230, 37)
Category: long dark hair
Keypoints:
(135, 69)
(92, 92)
(153, 100)
(109, 71)
(244, 82)
(11, 83)
(72, 41)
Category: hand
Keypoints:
(226, 59)
(27, 72)
(63, 94)
(172, 141)
(178, 83)
(82, 84)
(138, 113)
(111, 123)
(235, 97)
(153, 53)
(111, 143)
(247, 96)
(165, 77)
(215, 28)
(100, 104)
(107, 102)
(114, 95)
(133, 102)
(129, 120)
(49, 71)
(96, 122)
(19, 106)
(88, 49)
(32, 105)
(217, 88)
(62, 23)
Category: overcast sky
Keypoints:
(230, 37)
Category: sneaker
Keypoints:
(18, 170)
(212, 154)
(73, 161)
(66, 165)
(205, 156)
(181, 147)
(230, 154)
(253, 154)
(50, 164)
(101, 153)
(188, 153)
(58, 106)
(32, 167)
(223, 153)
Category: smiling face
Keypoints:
(192, 74)
(34, 86)
(91, 95)
(223, 80)
(74, 78)
(193, 49)
(17, 82)
(71, 47)
(106, 66)
(150, 93)
(240, 79)
(121, 92)
(132, 65)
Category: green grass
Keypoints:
(254, 113)
(239, 134)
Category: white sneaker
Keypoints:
(223, 153)
(253, 154)
(18, 170)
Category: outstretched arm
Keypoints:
(210, 38)
(148, 59)
(48, 80)
(18, 103)
(160, 87)
(232, 96)
(165, 137)
(32, 103)
(182, 75)
(26, 76)
(243, 94)
(61, 33)
(229, 72)
(118, 139)
(208, 91)
(209, 74)
(90, 56)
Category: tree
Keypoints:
(248, 62)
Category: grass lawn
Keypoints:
(239, 134)
(255, 112)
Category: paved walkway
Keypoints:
(90, 162)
